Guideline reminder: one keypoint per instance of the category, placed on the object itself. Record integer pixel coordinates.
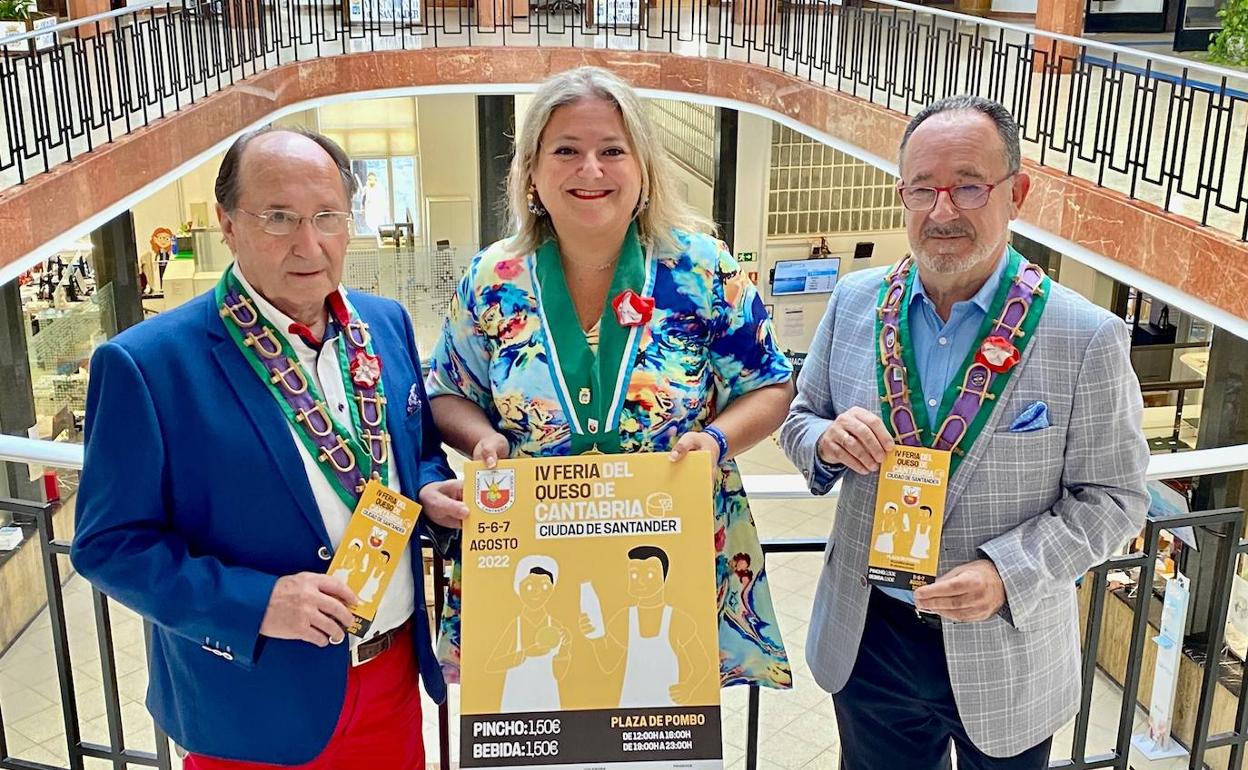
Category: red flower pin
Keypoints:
(365, 369)
(632, 309)
(998, 354)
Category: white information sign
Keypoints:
(401, 12)
(617, 13)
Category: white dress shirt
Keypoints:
(322, 367)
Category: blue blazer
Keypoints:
(194, 500)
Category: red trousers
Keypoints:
(380, 724)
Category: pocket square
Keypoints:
(413, 400)
(1034, 417)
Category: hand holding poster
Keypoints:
(590, 632)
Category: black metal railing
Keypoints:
(41, 515)
(1169, 131)
(1224, 526)
(1227, 526)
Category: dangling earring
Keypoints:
(641, 206)
(535, 206)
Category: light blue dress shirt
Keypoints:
(940, 347)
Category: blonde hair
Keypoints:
(664, 210)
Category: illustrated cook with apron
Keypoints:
(532, 684)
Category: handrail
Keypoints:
(85, 20)
(1120, 118)
(773, 486)
(58, 454)
(1190, 64)
(1201, 462)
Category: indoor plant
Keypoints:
(18, 16)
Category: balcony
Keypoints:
(1119, 142)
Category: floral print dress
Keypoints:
(708, 342)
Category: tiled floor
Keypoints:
(797, 728)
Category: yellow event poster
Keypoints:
(590, 633)
(371, 547)
(909, 514)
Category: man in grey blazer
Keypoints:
(1048, 483)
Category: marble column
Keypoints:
(115, 258)
(724, 200)
(80, 9)
(496, 124)
(1223, 422)
(753, 12)
(17, 397)
(1224, 419)
(976, 7)
(1042, 256)
(247, 14)
(500, 12)
(1064, 17)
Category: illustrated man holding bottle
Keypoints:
(655, 641)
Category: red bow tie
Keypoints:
(305, 334)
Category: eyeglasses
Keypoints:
(282, 222)
(963, 196)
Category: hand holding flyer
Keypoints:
(909, 516)
(371, 548)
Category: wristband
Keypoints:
(720, 439)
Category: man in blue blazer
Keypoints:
(228, 441)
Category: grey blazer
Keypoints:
(1044, 506)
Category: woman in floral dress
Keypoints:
(612, 321)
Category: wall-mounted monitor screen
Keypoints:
(805, 276)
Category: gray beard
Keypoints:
(949, 264)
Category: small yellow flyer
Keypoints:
(909, 516)
(590, 615)
(371, 548)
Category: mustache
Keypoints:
(948, 231)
